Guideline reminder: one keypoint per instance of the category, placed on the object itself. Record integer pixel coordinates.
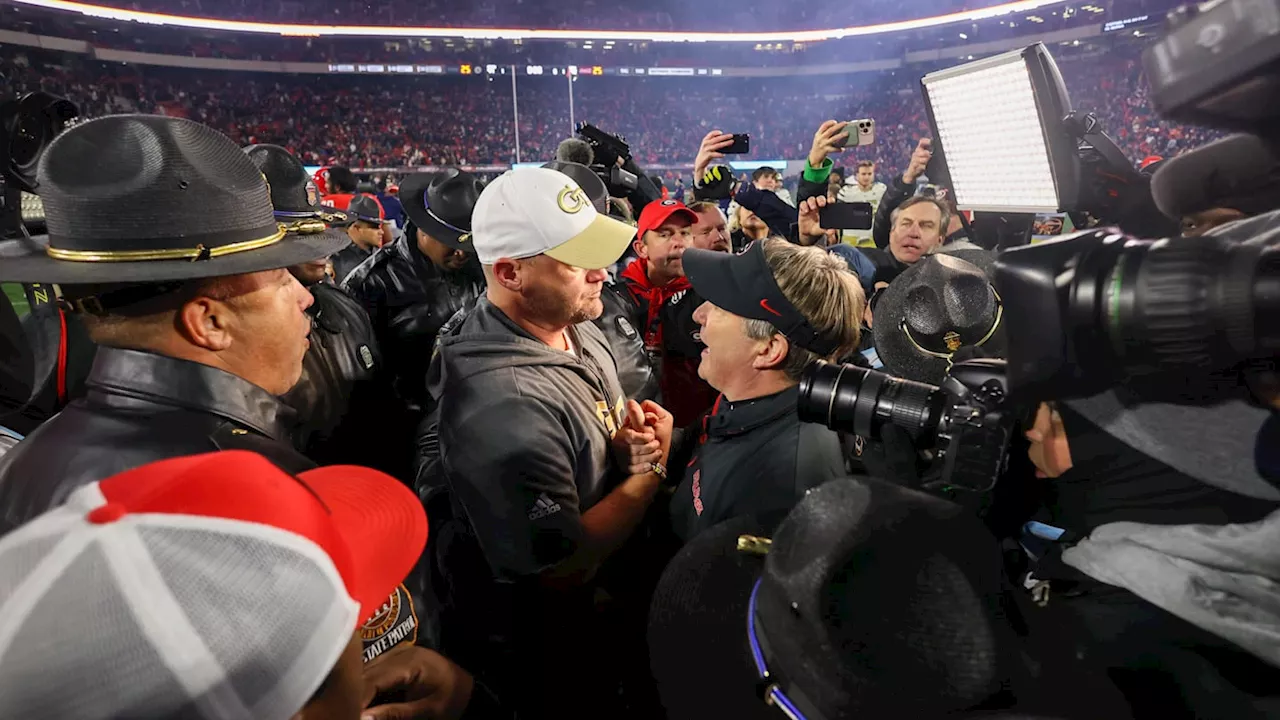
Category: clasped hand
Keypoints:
(644, 438)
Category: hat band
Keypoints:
(426, 205)
(195, 254)
(329, 217)
(770, 686)
(948, 356)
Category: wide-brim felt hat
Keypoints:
(440, 204)
(147, 198)
(294, 194)
(873, 600)
(941, 306)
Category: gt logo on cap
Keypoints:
(571, 199)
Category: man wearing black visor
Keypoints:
(769, 313)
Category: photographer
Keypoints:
(1141, 533)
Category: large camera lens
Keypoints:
(1204, 302)
(856, 400)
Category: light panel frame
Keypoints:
(1051, 106)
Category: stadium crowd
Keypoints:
(402, 121)
(281, 442)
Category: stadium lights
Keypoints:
(302, 30)
(998, 130)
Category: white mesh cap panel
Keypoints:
(81, 660)
(165, 617)
(256, 604)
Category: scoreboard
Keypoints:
(478, 68)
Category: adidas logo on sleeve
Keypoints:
(543, 507)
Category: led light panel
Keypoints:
(992, 137)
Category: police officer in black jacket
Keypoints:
(365, 225)
(411, 287)
(163, 238)
(343, 394)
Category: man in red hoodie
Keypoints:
(664, 307)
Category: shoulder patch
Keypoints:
(395, 623)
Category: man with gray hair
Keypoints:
(916, 230)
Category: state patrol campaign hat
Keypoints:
(538, 211)
(366, 208)
(214, 585)
(869, 600)
(294, 194)
(153, 199)
(942, 304)
(744, 285)
(442, 205)
(658, 213)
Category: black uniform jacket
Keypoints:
(139, 407)
(409, 298)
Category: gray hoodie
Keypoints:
(525, 435)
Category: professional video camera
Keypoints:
(608, 150)
(1088, 312)
(27, 125)
(967, 418)
(1091, 311)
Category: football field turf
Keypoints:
(17, 297)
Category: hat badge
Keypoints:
(953, 341)
(313, 194)
(572, 200)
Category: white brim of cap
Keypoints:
(598, 246)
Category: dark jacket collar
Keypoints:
(746, 415)
(405, 249)
(134, 378)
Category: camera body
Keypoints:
(968, 418)
(608, 149)
(27, 125)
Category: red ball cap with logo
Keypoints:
(659, 213)
(213, 582)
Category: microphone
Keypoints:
(576, 151)
(1238, 172)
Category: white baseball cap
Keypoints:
(538, 211)
(214, 585)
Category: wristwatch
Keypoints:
(660, 470)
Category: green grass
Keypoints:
(17, 297)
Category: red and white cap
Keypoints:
(213, 586)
